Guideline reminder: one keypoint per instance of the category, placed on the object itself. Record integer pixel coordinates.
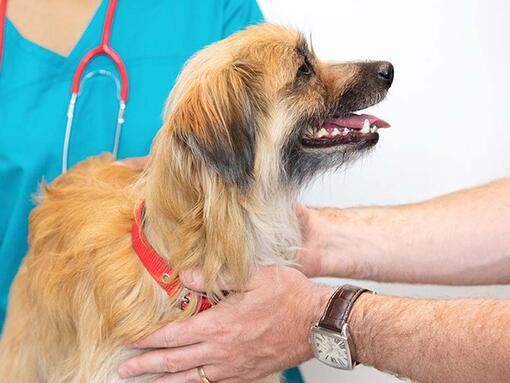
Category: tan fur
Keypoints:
(82, 294)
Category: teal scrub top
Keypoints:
(154, 38)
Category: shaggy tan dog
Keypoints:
(250, 120)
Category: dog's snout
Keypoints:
(385, 72)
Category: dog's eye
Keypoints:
(305, 69)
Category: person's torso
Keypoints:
(154, 39)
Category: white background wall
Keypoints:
(449, 109)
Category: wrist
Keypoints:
(310, 255)
(323, 295)
(355, 242)
(320, 298)
(361, 327)
(331, 340)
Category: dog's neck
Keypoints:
(212, 226)
(273, 233)
(274, 229)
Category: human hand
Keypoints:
(309, 257)
(245, 337)
(338, 242)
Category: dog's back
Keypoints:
(76, 297)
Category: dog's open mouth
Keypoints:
(350, 129)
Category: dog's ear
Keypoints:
(217, 119)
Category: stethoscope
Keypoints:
(105, 49)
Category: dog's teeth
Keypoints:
(373, 129)
(366, 127)
(336, 132)
(309, 131)
(321, 133)
(345, 132)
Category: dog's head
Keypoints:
(260, 106)
(251, 118)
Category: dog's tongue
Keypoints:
(356, 121)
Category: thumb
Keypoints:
(195, 280)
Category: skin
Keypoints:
(56, 25)
(432, 341)
(233, 354)
(465, 232)
(237, 341)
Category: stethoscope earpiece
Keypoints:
(104, 49)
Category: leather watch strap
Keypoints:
(339, 307)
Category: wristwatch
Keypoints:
(330, 337)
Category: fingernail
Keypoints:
(123, 373)
(188, 277)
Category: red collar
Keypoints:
(156, 267)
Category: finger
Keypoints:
(300, 209)
(195, 280)
(203, 327)
(177, 334)
(169, 360)
(213, 373)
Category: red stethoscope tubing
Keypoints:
(3, 12)
(104, 48)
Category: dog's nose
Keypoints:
(385, 71)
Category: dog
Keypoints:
(250, 121)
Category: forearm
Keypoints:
(434, 341)
(460, 238)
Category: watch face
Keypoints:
(331, 348)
